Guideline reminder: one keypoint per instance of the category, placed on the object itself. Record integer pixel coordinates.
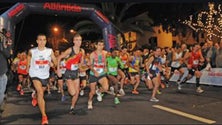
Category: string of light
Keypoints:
(209, 21)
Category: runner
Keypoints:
(39, 60)
(22, 72)
(97, 73)
(153, 67)
(134, 70)
(113, 62)
(125, 76)
(195, 62)
(180, 57)
(73, 66)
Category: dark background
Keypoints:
(161, 12)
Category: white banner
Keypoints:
(212, 77)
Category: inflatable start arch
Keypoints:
(11, 17)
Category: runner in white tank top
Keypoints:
(39, 61)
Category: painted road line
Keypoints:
(201, 119)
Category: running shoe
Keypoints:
(73, 111)
(154, 100)
(135, 92)
(90, 105)
(34, 100)
(81, 93)
(199, 90)
(112, 90)
(63, 98)
(59, 91)
(116, 100)
(179, 87)
(121, 92)
(158, 92)
(45, 120)
(22, 92)
(99, 96)
(54, 88)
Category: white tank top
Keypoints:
(176, 64)
(39, 65)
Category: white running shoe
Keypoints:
(179, 87)
(199, 90)
(54, 88)
(121, 92)
(81, 93)
(99, 96)
(154, 100)
(112, 90)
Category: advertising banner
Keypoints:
(212, 77)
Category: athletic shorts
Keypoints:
(71, 74)
(134, 73)
(43, 81)
(93, 79)
(82, 78)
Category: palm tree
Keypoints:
(87, 27)
(116, 13)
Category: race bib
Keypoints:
(112, 69)
(154, 67)
(175, 64)
(196, 62)
(82, 74)
(124, 62)
(99, 70)
(23, 67)
(41, 64)
(74, 66)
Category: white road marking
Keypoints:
(201, 119)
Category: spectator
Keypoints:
(211, 54)
(4, 55)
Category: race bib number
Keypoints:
(112, 69)
(41, 64)
(74, 66)
(175, 64)
(23, 67)
(124, 62)
(82, 74)
(196, 62)
(63, 70)
(99, 70)
(154, 67)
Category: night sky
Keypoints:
(27, 29)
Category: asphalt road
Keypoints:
(174, 107)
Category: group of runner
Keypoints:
(105, 72)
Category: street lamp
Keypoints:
(55, 29)
(72, 31)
